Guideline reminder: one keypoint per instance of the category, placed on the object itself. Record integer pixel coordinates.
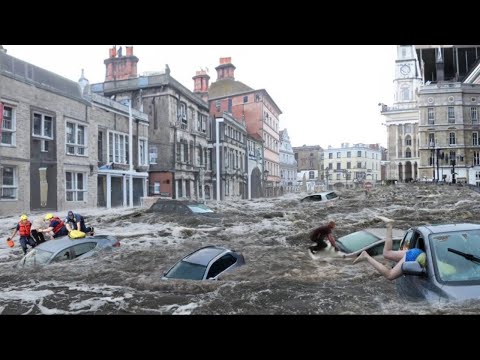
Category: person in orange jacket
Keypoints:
(23, 229)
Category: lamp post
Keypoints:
(432, 158)
(217, 140)
(265, 173)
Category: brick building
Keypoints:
(179, 155)
(261, 116)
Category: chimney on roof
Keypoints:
(200, 83)
(121, 67)
(225, 70)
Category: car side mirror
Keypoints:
(412, 268)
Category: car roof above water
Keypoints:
(204, 255)
(434, 229)
(60, 243)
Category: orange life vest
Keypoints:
(24, 228)
(60, 224)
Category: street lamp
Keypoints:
(265, 174)
(217, 139)
(431, 145)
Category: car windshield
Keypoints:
(450, 266)
(200, 209)
(187, 270)
(36, 257)
(331, 196)
(356, 241)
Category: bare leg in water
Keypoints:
(388, 253)
(390, 274)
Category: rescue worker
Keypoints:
(77, 222)
(56, 226)
(23, 228)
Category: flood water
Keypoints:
(279, 277)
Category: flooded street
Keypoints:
(280, 277)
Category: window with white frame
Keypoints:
(152, 154)
(311, 175)
(474, 138)
(474, 114)
(8, 182)
(117, 147)
(42, 126)
(452, 138)
(75, 141)
(75, 186)
(8, 129)
(142, 152)
(476, 158)
(431, 115)
(156, 187)
(451, 114)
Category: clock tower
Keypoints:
(408, 76)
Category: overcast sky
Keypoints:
(328, 94)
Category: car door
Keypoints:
(83, 249)
(63, 255)
(413, 286)
(220, 265)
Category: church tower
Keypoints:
(408, 76)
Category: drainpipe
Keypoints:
(130, 152)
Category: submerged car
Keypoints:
(63, 249)
(181, 207)
(371, 240)
(205, 263)
(321, 196)
(452, 269)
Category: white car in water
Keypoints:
(321, 196)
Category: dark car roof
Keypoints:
(176, 201)
(61, 243)
(435, 229)
(204, 255)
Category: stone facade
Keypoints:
(288, 164)
(49, 148)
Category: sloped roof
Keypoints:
(226, 87)
(30, 74)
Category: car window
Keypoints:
(186, 270)
(357, 241)
(169, 208)
(220, 265)
(450, 266)
(37, 257)
(157, 206)
(200, 209)
(378, 249)
(182, 209)
(81, 249)
(331, 196)
(63, 255)
(406, 240)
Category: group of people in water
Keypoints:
(47, 228)
(319, 234)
